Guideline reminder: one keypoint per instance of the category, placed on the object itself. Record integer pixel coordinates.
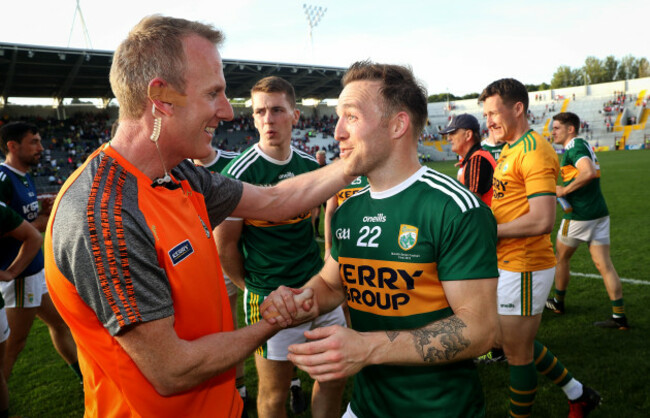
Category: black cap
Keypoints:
(464, 121)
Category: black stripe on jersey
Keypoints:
(464, 198)
(241, 164)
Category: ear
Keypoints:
(12, 146)
(518, 108)
(164, 107)
(399, 124)
(296, 117)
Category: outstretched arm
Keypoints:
(292, 196)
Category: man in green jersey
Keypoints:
(414, 255)
(493, 146)
(260, 256)
(586, 221)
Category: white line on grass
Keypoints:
(598, 276)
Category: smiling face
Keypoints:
(192, 127)
(361, 130)
(274, 119)
(502, 119)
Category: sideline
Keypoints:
(598, 276)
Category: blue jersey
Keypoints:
(17, 190)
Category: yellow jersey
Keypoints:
(526, 169)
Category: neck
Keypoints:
(13, 162)
(132, 142)
(394, 171)
(278, 152)
(520, 130)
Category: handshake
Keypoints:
(289, 307)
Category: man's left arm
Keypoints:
(337, 352)
(292, 196)
(586, 173)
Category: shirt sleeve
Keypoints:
(9, 219)
(478, 175)
(468, 246)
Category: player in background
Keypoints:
(524, 206)
(12, 225)
(259, 256)
(27, 296)
(587, 219)
(492, 146)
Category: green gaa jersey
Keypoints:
(276, 253)
(222, 159)
(588, 201)
(394, 249)
(495, 150)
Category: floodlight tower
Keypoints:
(313, 14)
(77, 10)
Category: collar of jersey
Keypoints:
(398, 188)
(271, 159)
(130, 168)
(15, 170)
(517, 142)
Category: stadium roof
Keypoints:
(41, 71)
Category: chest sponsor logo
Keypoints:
(408, 237)
(380, 217)
(181, 252)
(343, 233)
(391, 288)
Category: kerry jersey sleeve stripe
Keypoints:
(463, 197)
(243, 162)
(303, 154)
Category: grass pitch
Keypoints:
(613, 362)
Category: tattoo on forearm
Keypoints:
(392, 335)
(451, 340)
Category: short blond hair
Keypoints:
(153, 48)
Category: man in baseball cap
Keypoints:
(477, 165)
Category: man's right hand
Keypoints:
(289, 307)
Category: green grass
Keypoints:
(613, 362)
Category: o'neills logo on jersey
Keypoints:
(380, 217)
(391, 288)
(180, 252)
(286, 175)
(408, 237)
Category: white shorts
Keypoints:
(572, 233)
(523, 294)
(4, 326)
(231, 288)
(277, 347)
(24, 291)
